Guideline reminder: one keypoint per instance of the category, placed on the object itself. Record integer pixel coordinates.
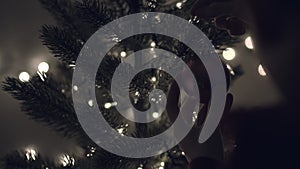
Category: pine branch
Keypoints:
(43, 101)
(61, 43)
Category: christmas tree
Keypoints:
(47, 98)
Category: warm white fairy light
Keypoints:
(229, 54)
(75, 88)
(91, 103)
(161, 167)
(123, 54)
(153, 44)
(24, 76)
(153, 79)
(162, 163)
(121, 131)
(31, 153)
(155, 115)
(179, 5)
(261, 71)
(249, 43)
(43, 67)
(109, 105)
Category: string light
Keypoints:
(24, 76)
(229, 54)
(261, 71)
(179, 5)
(249, 43)
(109, 105)
(153, 44)
(43, 67)
(123, 54)
(75, 88)
(153, 79)
(155, 115)
(91, 103)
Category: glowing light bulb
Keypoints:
(75, 88)
(179, 5)
(153, 44)
(107, 105)
(91, 103)
(153, 79)
(249, 43)
(123, 54)
(229, 54)
(155, 115)
(24, 77)
(43, 67)
(261, 71)
(162, 163)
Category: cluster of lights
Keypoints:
(66, 160)
(91, 153)
(140, 167)
(43, 67)
(31, 154)
(230, 54)
(122, 129)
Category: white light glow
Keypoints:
(153, 79)
(153, 44)
(24, 77)
(107, 105)
(179, 5)
(155, 115)
(261, 71)
(43, 67)
(249, 43)
(229, 54)
(162, 163)
(91, 103)
(123, 54)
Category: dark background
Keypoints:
(264, 118)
